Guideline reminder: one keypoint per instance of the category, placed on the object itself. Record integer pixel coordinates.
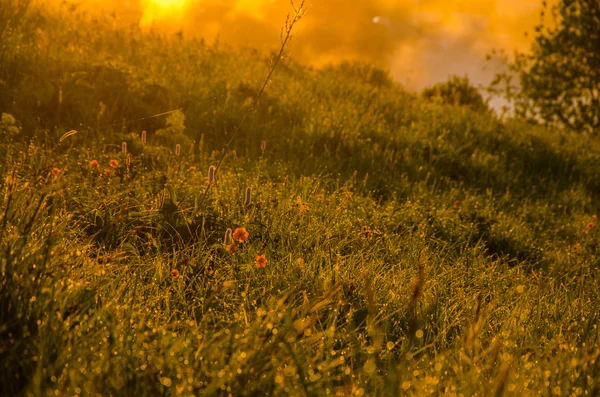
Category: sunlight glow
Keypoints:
(156, 10)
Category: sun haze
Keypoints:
(419, 41)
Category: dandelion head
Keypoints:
(261, 261)
(94, 164)
(113, 163)
(240, 234)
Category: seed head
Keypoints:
(248, 197)
(211, 174)
(228, 240)
(144, 137)
(177, 150)
(124, 148)
(263, 145)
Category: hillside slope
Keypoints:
(411, 247)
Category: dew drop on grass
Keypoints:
(370, 366)
(165, 381)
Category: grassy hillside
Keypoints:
(412, 247)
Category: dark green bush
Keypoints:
(457, 91)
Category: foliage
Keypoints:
(8, 125)
(410, 248)
(559, 81)
(457, 91)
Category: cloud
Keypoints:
(419, 41)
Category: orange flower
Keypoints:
(192, 168)
(232, 248)
(175, 274)
(55, 171)
(107, 172)
(94, 164)
(590, 225)
(261, 261)
(114, 163)
(240, 234)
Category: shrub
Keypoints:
(558, 83)
(457, 91)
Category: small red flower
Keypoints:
(232, 248)
(240, 234)
(113, 163)
(94, 164)
(261, 261)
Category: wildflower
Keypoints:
(232, 248)
(240, 234)
(144, 137)
(263, 145)
(107, 172)
(94, 164)
(124, 148)
(192, 168)
(211, 174)
(227, 240)
(56, 171)
(177, 150)
(113, 163)
(261, 261)
(175, 274)
(590, 225)
(456, 204)
(248, 197)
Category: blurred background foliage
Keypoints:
(558, 82)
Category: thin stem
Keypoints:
(286, 37)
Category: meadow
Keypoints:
(381, 243)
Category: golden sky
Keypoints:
(419, 41)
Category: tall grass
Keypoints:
(412, 247)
